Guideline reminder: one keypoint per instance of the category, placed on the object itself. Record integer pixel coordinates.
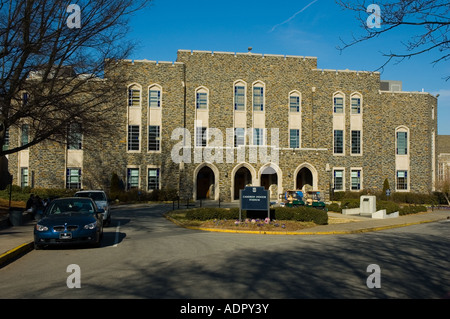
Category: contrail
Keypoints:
(306, 7)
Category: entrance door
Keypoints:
(205, 183)
(304, 177)
(242, 178)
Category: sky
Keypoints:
(303, 27)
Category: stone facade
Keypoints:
(199, 90)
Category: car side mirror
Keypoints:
(100, 211)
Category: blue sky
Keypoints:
(302, 27)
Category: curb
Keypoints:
(14, 253)
(336, 232)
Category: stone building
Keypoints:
(443, 149)
(212, 122)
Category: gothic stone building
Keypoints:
(212, 122)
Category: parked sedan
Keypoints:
(69, 221)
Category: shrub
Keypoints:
(350, 203)
(334, 207)
(412, 210)
(390, 207)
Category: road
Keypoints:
(144, 255)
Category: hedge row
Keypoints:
(435, 198)
(304, 214)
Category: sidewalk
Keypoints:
(18, 240)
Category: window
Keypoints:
(6, 140)
(201, 99)
(73, 178)
(294, 138)
(153, 178)
(25, 134)
(24, 177)
(74, 136)
(356, 105)
(133, 137)
(338, 180)
(402, 143)
(154, 97)
(154, 138)
(200, 136)
(134, 96)
(338, 147)
(258, 136)
(24, 99)
(239, 136)
(338, 103)
(356, 180)
(294, 102)
(239, 98)
(356, 142)
(402, 180)
(132, 178)
(258, 98)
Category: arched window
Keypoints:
(258, 96)
(338, 103)
(240, 88)
(154, 95)
(356, 103)
(134, 95)
(401, 140)
(202, 98)
(294, 101)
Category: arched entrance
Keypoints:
(270, 179)
(304, 177)
(242, 177)
(306, 174)
(205, 183)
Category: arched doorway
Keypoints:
(269, 179)
(242, 177)
(304, 177)
(205, 183)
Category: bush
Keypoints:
(350, 203)
(303, 214)
(412, 210)
(390, 207)
(334, 207)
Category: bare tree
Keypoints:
(428, 21)
(53, 54)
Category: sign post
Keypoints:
(254, 198)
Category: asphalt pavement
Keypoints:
(15, 241)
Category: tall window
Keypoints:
(134, 96)
(133, 137)
(153, 178)
(74, 136)
(239, 136)
(356, 104)
(200, 136)
(356, 180)
(294, 102)
(356, 142)
(73, 178)
(338, 146)
(154, 97)
(338, 104)
(24, 177)
(402, 180)
(6, 140)
(338, 180)
(258, 97)
(201, 99)
(402, 143)
(294, 138)
(154, 138)
(239, 97)
(25, 134)
(258, 136)
(132, 178)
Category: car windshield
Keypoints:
(69, 206)
(93, 195)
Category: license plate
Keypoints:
(65, 236)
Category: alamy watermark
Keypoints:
(74, 19)
(373, 20)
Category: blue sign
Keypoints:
(254, 198)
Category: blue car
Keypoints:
(71, 220)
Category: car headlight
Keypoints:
(41, 227)
(90, 226)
